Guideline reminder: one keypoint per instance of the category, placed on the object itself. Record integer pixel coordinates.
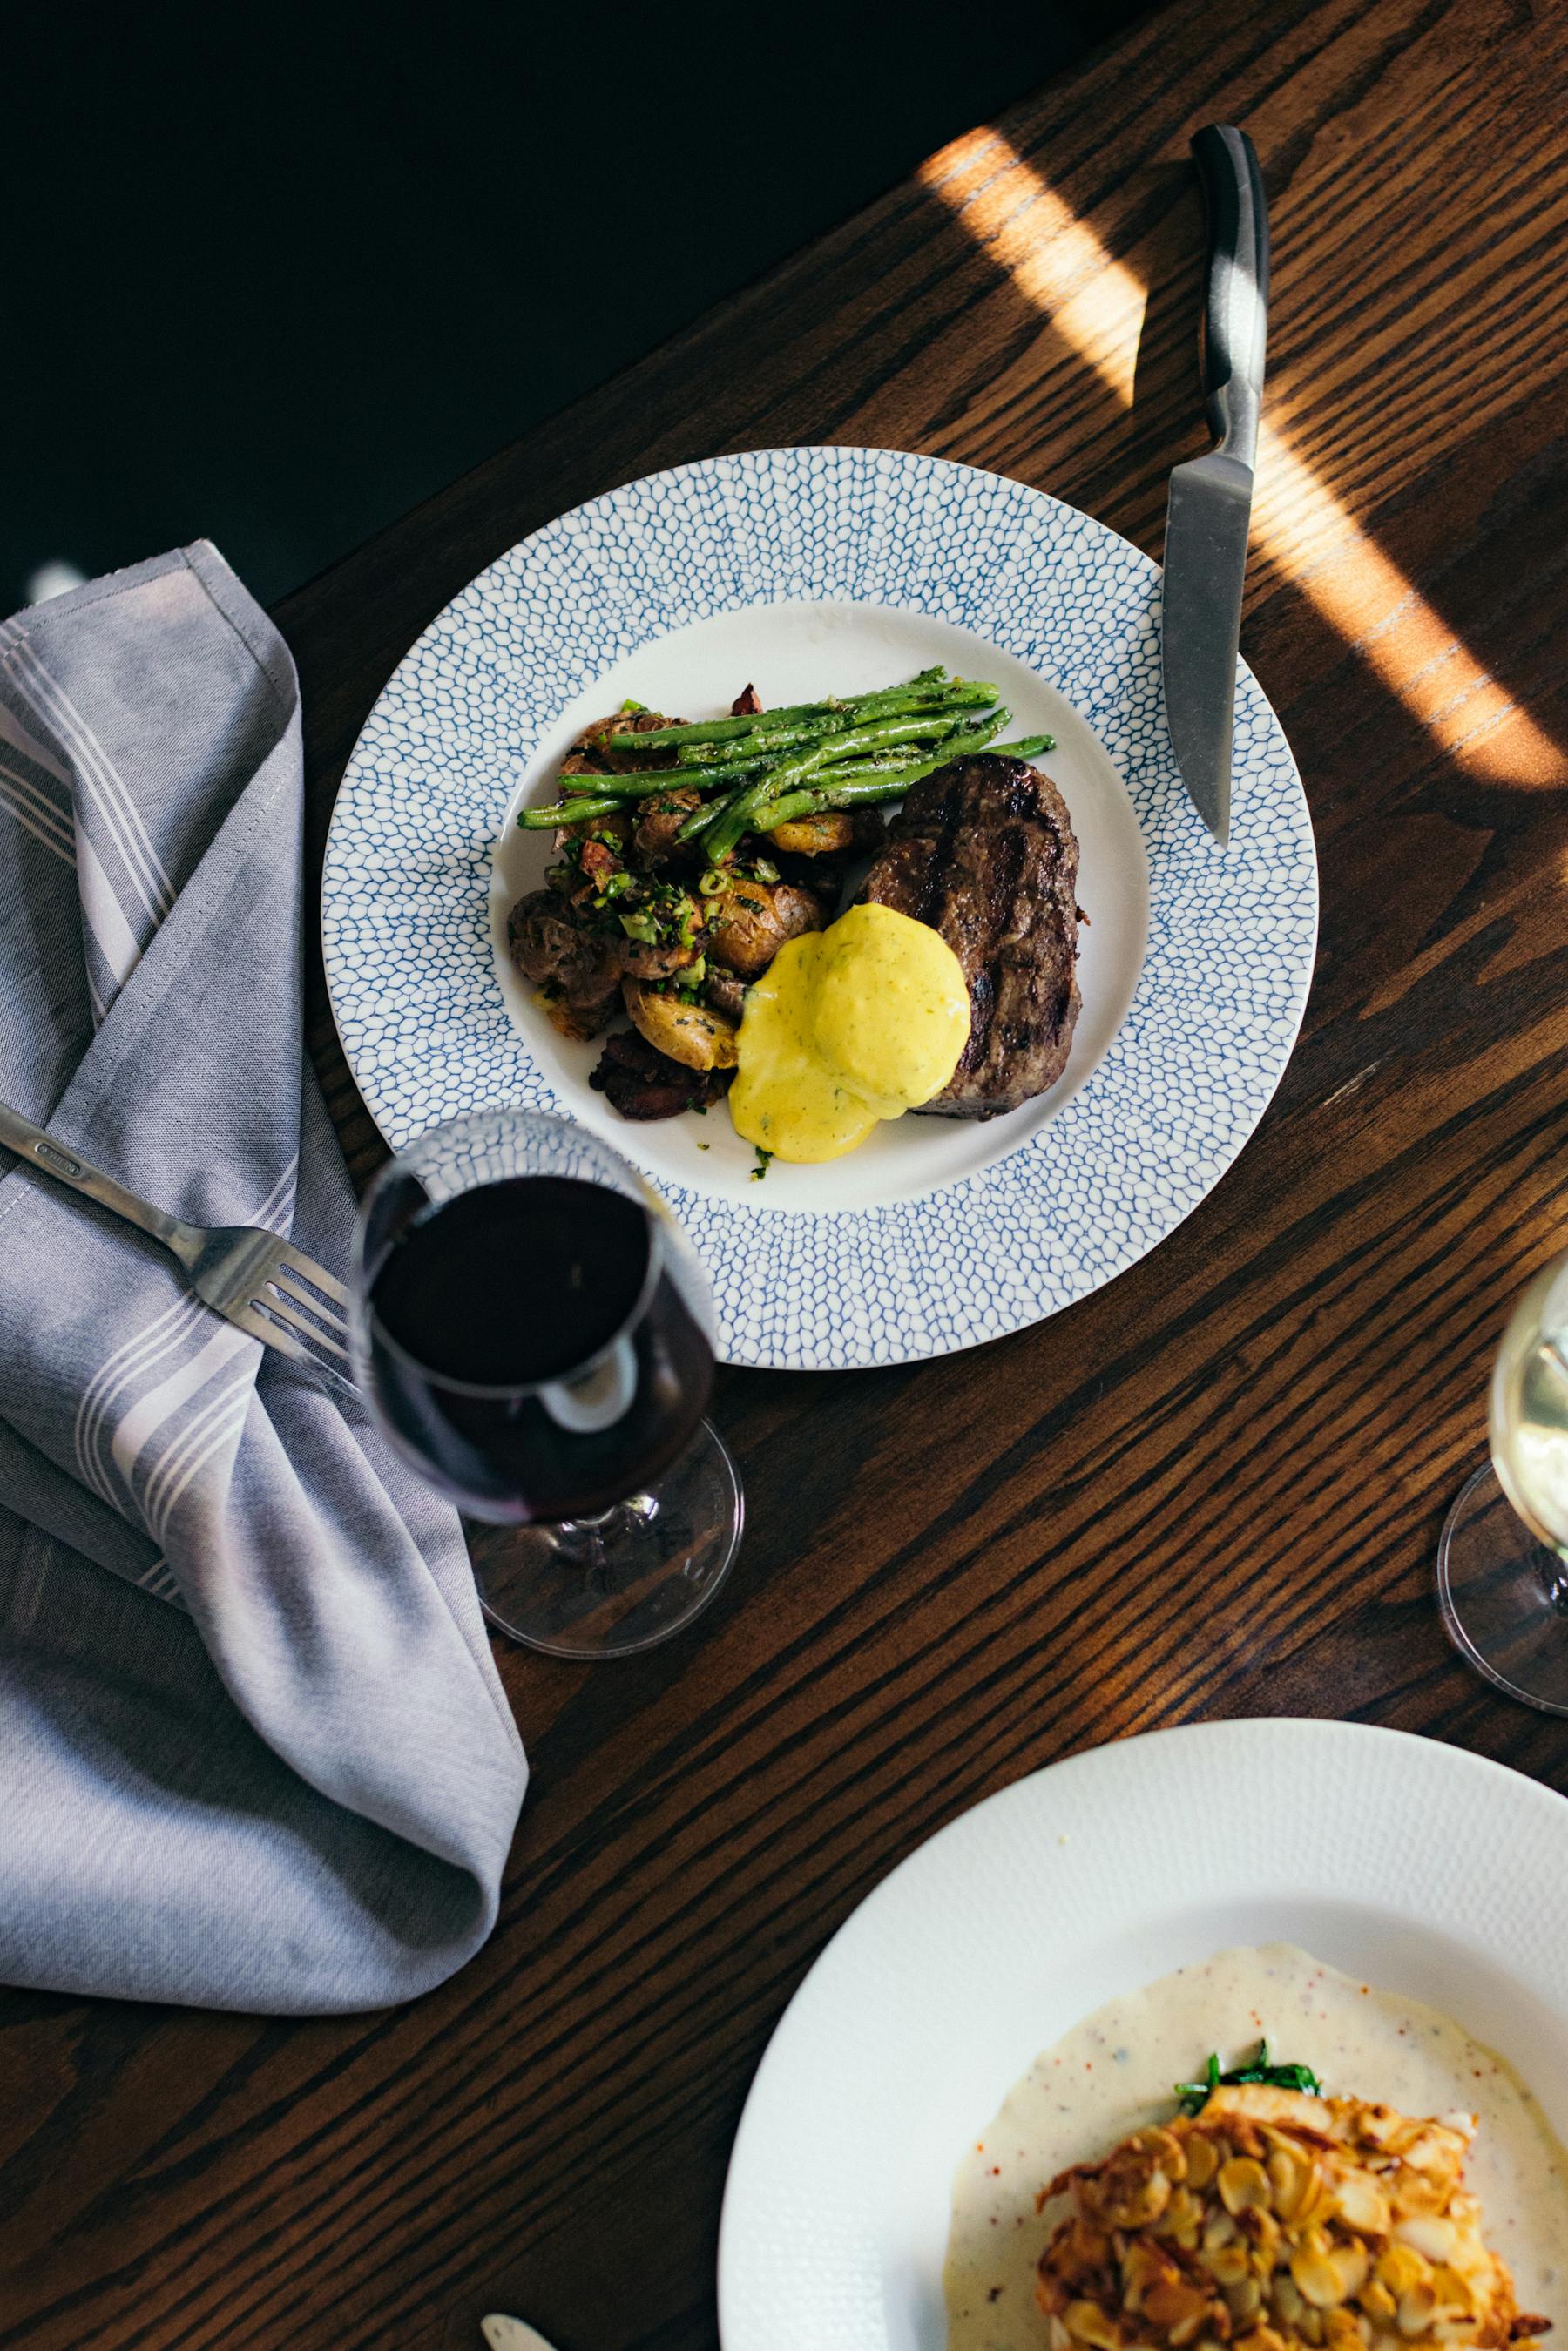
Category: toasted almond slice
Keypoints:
(1428, 2235)
(1317, 2279)
(1087, 2323)
(1417, 2305)
(1243, 2186)
(1360, 2203)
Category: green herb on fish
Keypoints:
(1195, 2096)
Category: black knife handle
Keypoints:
(1236, 306)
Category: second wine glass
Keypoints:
(1502, 1564)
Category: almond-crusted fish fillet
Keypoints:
(1271, 2220)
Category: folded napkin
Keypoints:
(253, 1751)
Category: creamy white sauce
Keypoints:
(1112, 2075)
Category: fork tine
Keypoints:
(278, 1304)
(248, 1317)
(299, 1290)
(316, 1277)
(258, 1324)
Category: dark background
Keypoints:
(274, 277)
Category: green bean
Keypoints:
(858, 785)
(859, 760)
(883, 733)
(876, 735)
(701, 817)
(757, 765)
(930, 686)
(636, 784)
(736, 819)
(725, 730)
(704, 757)
(537, 819)
(861, 793)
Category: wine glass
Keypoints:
(1502, 1564)
(534, 1335)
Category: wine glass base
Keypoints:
(625, 1580)
(1504, 1597)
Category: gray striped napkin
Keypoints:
(253, 1750)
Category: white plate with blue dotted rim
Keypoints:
(809, 572)
(1429, 1873)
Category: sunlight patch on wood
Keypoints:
(1097, 304)
(1053, 258)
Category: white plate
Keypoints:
(805, 570)
(1416, 1866)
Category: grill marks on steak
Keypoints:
(984, 852)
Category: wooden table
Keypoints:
(1214, 1489)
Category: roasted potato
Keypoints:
(598, 831)
(656, 959)
(578, 1021)
(578, 970)
(750, 923)
(659, 818)
(588, 755)
(725, 994)
(815, 836)
(686, 1031)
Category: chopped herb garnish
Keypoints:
(635, 708)
(764, 1160)
(1195, 2096)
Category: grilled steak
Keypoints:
(984, 851)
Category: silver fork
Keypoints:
(251, 1277)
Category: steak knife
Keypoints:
(1211, 498)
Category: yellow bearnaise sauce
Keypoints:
(1113, 2074)
(846, 1028)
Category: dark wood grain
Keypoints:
(1214, 1489)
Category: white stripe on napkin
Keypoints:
(159, 1579)
(98, 778)
(26, 815)
(279, 1201)
(161, 1512)
(112, 933)
(162, 1336)
(37, 785)
(149, 1412)
(15, 735)
(116, 1373)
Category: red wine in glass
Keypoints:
(530, 1347)
(534, 1333)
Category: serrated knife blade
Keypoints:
(1210, 508)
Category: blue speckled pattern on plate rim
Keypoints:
(405, 915)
